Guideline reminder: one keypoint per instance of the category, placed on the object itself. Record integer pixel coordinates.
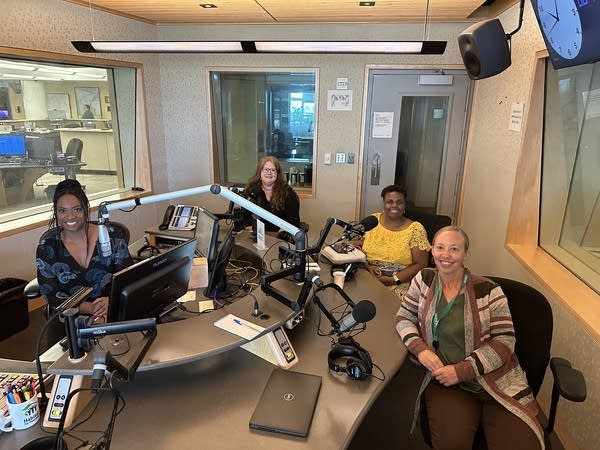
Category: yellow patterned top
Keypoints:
(387, 246)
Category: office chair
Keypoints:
(32, 289)
(431, 222)
(72, 154)
(533, 323)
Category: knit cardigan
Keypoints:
(489, 342)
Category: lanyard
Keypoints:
(437, 297)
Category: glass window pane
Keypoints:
(570, 206)
(58, 121)
(263, 113)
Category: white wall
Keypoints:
(176, 91)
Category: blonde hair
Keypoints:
(452, 228)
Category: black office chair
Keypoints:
(32, 289)
(533, 323)
(72, 155)
(74, 149)
(431, 222)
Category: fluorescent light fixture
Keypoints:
(16, 66)
(338, 47)
(357, 47)
(158, 46)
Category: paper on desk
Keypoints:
(239, 327)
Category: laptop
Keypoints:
(287, 403)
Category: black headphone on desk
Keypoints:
(148, 248)
(358, 361)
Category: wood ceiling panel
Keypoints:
(293, 11)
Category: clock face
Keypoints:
(561, 26)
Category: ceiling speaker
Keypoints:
(484, 49)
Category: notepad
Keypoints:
(239, 326)
(287, 403)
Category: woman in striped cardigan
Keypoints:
(459, 327)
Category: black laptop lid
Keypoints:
(287, 403)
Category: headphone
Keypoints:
(358, 361)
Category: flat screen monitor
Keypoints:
(43, 146)
(207, 236)
(570, 30)
(147, 287)
(4, 114)
(217, 280)
(12, 145)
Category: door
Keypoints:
(415, 128)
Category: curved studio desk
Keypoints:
(196, 388)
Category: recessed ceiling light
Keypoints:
(366, 3)
(208, 5)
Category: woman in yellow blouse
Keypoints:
(397, 248)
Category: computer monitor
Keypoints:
(12, 145)
(43, 146)
(217, 281)
(207, 236)
(147, 287)
(4, 114)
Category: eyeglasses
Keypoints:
(269, 170)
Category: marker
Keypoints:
(239, 322)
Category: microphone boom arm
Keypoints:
(298, 269)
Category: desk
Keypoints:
(207, 402)
(16, 181)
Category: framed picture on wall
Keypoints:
(58, 106)
(88, 102)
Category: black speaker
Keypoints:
(484, 49)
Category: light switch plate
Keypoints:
(351, 157)
(340, 158)
(327, 158)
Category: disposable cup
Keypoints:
(24, 414)
(338, 278)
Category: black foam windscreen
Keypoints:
(369, 222)
(484, 49)
(364, 311)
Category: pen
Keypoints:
(239, 322)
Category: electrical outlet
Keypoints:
(340, 158)
(351, 158)
(327, 158)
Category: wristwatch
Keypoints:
(396, 279)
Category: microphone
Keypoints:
(313, 278)
(366, 224)
(103, 237)
(361, 313)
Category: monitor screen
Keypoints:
(146, 288)
(4, 114)
(43, 146)
(217, 281)
(12, 145)
(207, 235)
(570, 30)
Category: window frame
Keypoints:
(215, 136)
(142, 171)
(523, 223)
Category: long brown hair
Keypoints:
(279, 188)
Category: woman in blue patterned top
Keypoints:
(69, 258)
